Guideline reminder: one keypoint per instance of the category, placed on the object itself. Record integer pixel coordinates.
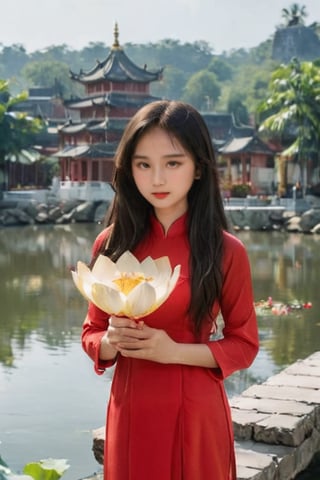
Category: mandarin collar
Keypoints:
(178, 227)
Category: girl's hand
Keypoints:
(147, 343)
(120, 329)
(137, 340)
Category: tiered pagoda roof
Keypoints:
(117, 67)
(97, 108)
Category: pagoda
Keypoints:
(114, 90)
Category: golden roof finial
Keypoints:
(116, 44)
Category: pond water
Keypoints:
(50, 398)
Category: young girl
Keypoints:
(168, 416)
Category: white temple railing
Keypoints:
(90, 191)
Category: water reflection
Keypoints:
(47, 383)
(286, 267)
(37, 293)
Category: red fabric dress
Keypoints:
(172, 422)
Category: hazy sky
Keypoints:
(224, 24)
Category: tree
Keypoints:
(17, 130)
(238, 109)
(48, 73)
(202, 90)
(94, 51)
(13, 59)
(294, 15)
(293, 106)
(220, 68)
(172, 84)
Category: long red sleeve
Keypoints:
(239, 345)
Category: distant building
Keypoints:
(115, 89)
(45, 103)
(222, 128)
(249, 161)
(244, 159)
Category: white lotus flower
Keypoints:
(127, 287)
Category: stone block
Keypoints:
(267, 405)
(244, 421)
(302, 368)
(254, 466)
(285, 380)
(278, 392)
(283, 429)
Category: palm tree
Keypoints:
(294, 15)
(17, 130)
(293, 106)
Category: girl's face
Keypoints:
(164, 173)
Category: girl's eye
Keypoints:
(142, 165)
(173, 164)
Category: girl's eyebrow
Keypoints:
(168, 155)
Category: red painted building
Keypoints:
(249, 161)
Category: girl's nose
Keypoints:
(158, 176)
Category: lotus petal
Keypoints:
(107, 299)
(104, 269)
(149, 268)
(163, 264)
(141, 300)
(79, 284)
(172, 282)
(83, 279)
(128, 263)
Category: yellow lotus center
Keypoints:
(127, 281)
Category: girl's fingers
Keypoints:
(122, 322)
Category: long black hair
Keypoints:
(130, 212)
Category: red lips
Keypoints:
(160, 194)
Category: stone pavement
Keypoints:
(277, 424)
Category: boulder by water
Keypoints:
(71, 211)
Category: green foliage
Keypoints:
(48, 469)
(292, 108)
(4, 470)
(240, 190)
(238, 109)
(172, 84)
(50, 72)
(202, 90)
(17, 130)
(294, 15)
(187, 57)
(293, 99)
(12, 59)
(221, 68)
